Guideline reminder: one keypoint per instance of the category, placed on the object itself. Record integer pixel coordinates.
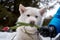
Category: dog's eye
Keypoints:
(36, 16)
(28, 15)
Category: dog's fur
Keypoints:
(27, 15)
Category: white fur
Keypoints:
(24, 11)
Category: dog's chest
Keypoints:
(30, 35)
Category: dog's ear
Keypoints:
(21, 8)
(42, 11)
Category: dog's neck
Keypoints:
(29, 30)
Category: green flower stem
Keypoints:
(23, 24)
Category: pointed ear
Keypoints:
(21, 8)
(42, 11)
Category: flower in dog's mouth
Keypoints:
(27, 24)
(24, 24)
(32, 25)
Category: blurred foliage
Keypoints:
(6, 17)
(32, 3)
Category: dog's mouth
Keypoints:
(32, 23)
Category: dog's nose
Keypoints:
(32, 22)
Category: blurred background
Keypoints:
(9, 10)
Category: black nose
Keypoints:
(32, 22)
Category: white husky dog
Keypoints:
(32, 16)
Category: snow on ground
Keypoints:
(6, 35)
(9, 36)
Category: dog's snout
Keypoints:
(32, 22)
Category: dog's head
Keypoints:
(30, 15)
